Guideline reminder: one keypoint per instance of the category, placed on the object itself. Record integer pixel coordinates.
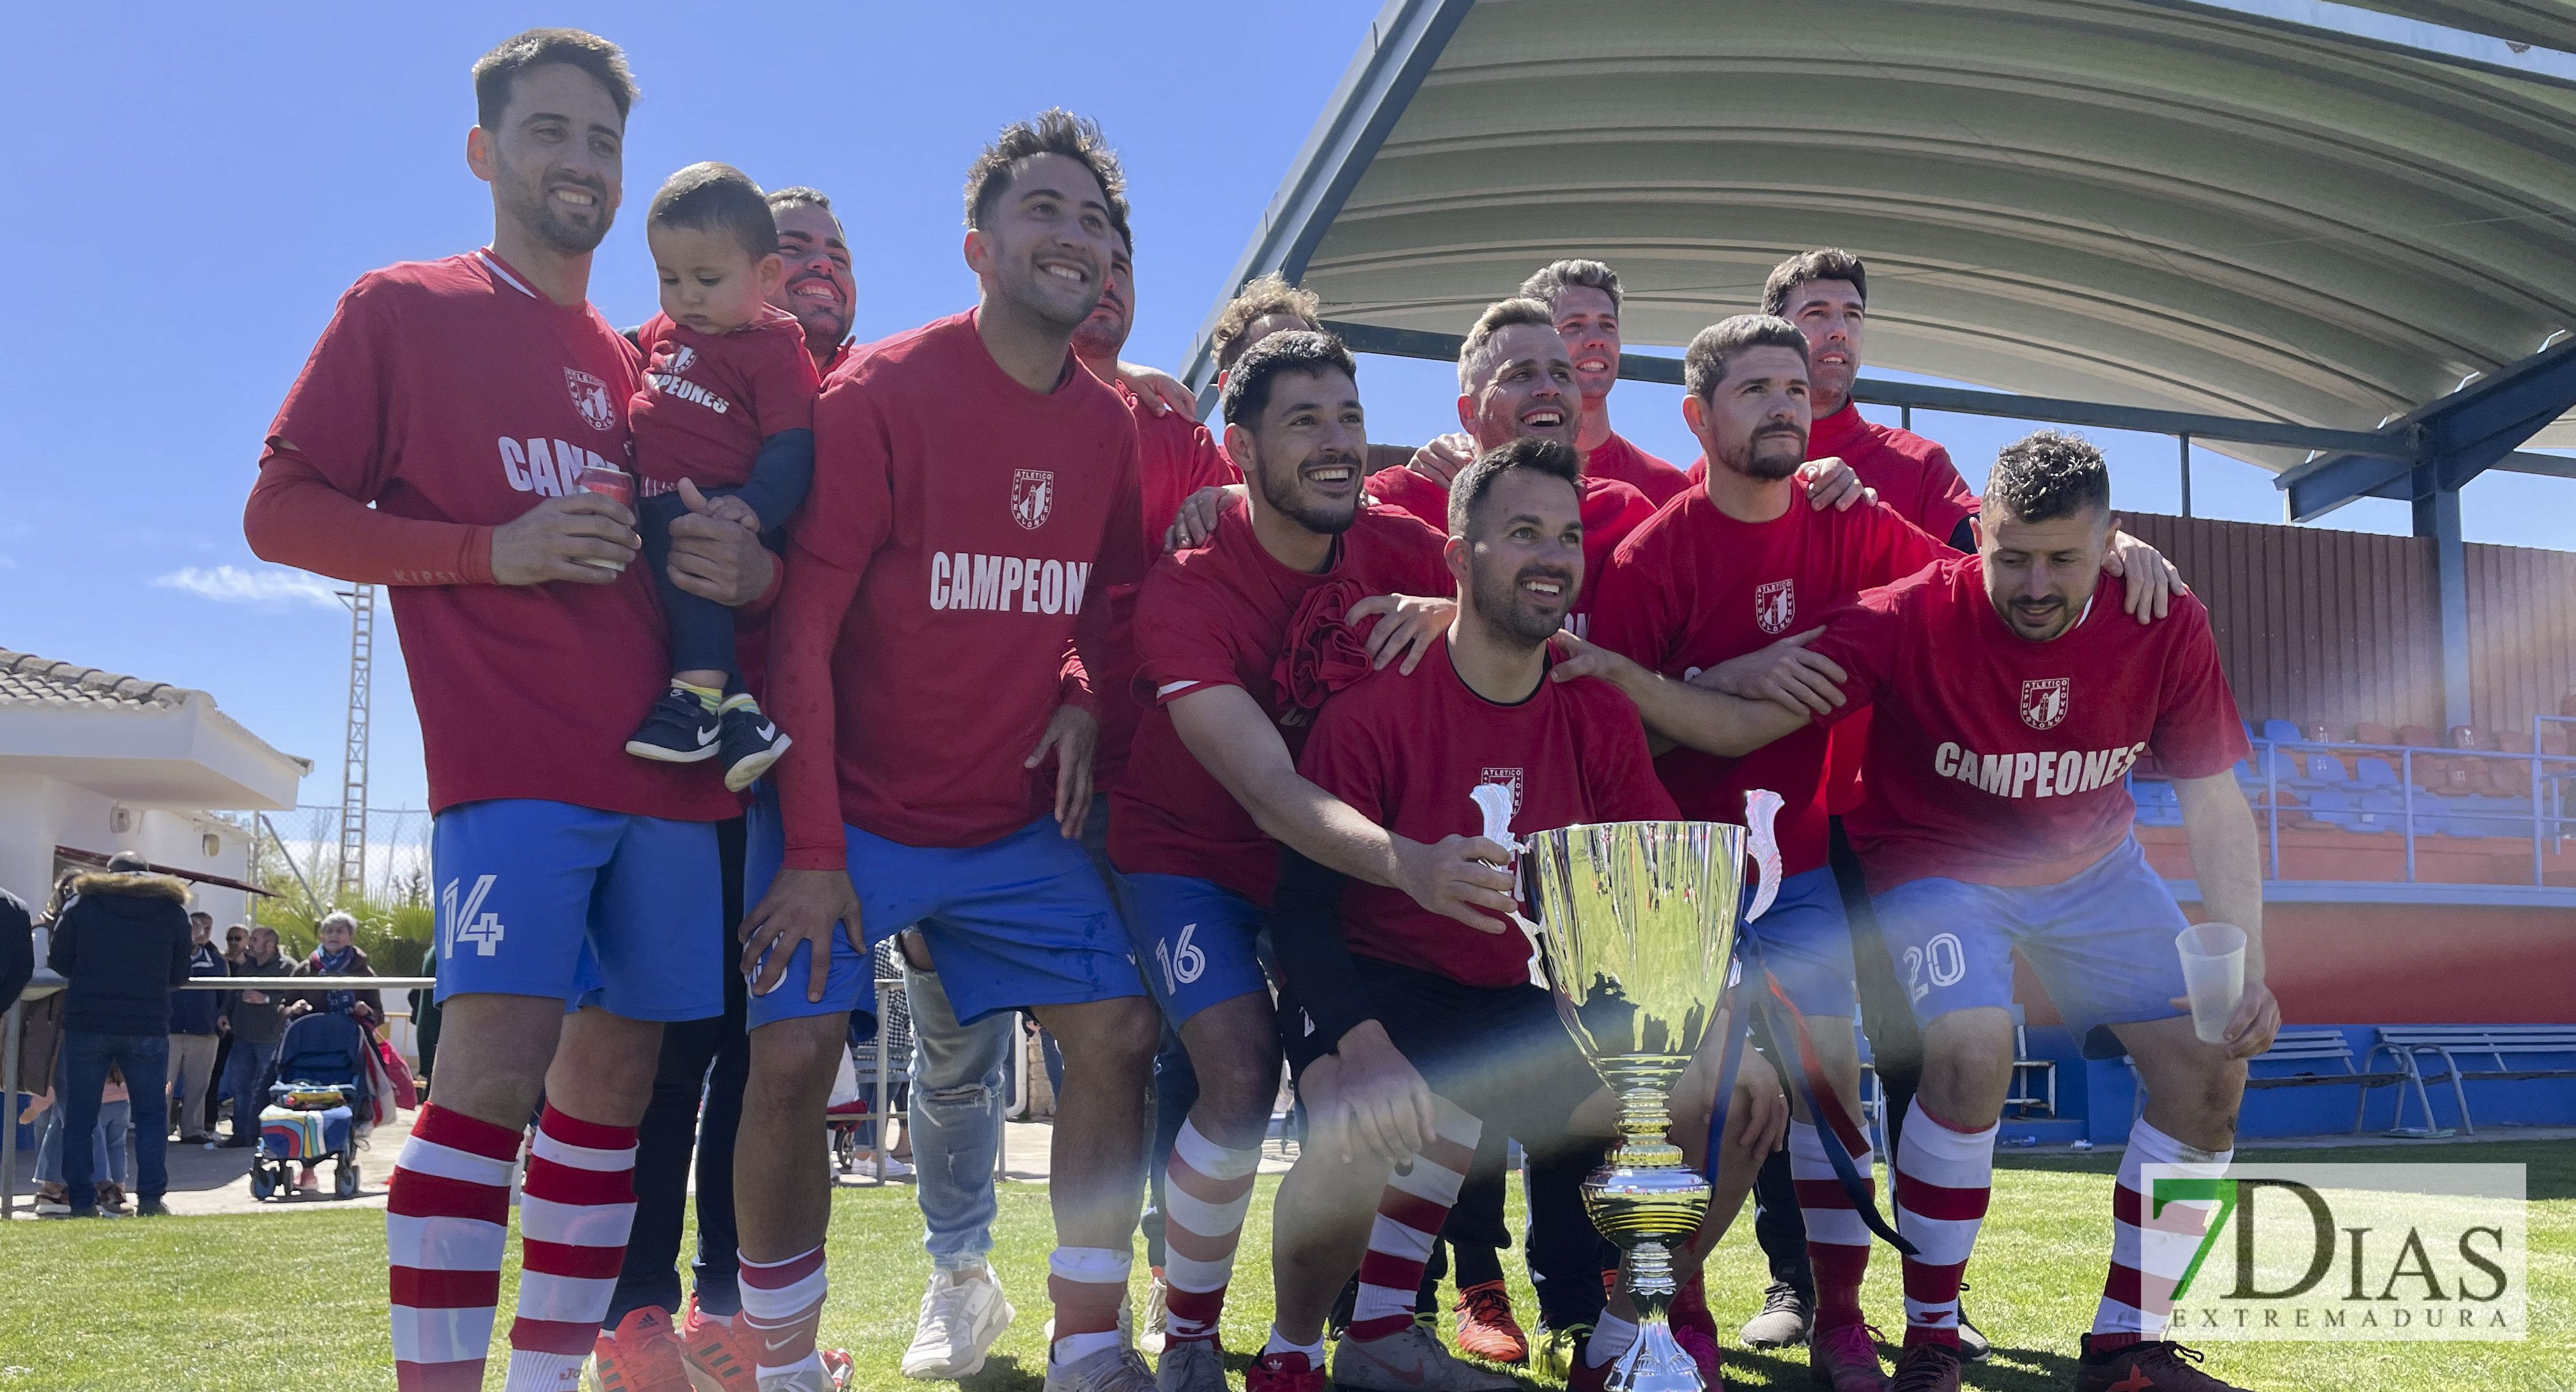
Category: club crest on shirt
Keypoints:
(1509, 778)
(590, 397)
(684, 358)
(2043, 702)
(1032, 497)
(1775, 604)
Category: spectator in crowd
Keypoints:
(424, 1017)
(955, 1127)
(106, 1144)
(194, 1032)
(255, 1021)
(17, 948)
(236, 943)
(339, 955)
(122, 941)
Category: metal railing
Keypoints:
(2546, 788)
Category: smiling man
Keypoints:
(818, 289)
(975, 496)
(1516, 381)
(462, 398)
(1583, 296)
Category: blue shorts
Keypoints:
(1199, 942)
(2102, 942)
(593, 908)
(1022, 921)
(1806, 942)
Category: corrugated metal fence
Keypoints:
(2341, 627)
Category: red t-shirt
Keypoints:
(1695, 587)
(1410, 751)
(1912, 474)
(450, 391)
(1610, 510)
(1176, 457)
(1975, 725)
(1615, 458)
(1218, 616)
(937, 581)
(708, 400)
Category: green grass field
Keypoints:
(260, 1302)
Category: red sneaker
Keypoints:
(1486, 1328)
(1695, 1329)
(2150, 1365)
(1846, 1359)
(1928, 1368)
(641, 1356)
(1283, 1372)
(717, 1357)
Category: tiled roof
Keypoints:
(28, 679)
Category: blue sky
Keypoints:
(218, 175)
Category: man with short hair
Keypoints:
(1583, 297)
(1516, 381)
(194, 1032)
(463, 398)
(1290, 569)
(975, 497)
(256, 1019)
(2012, 697)
(1411, 1033)
(818, 288)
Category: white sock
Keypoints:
(531, 1371)
(1281, 1343)
(1611, 1337)
(787, 1376)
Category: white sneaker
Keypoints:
(1192, 1365)
(960, 1318)
(867, 1167)
(1110, 1370)
(1409, 1360)
(1150, 1337)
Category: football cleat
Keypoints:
(1787, 1316)
(1846, 1359)
(2150, 1365)
(1927, 1368)
(1486, 1328)
(1284, 1372)
(641, 1355)
(1409, 1360)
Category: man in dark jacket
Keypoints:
(17, 949)
(194, 1033)
(256, 1021)
(122, 941)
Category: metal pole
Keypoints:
(883, 1120)
(1905, 417)
(2185, 437)
(9, 1027)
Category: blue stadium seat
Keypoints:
(2375, 772)
(2326, 771)
(2282, 732)
(2334, 808)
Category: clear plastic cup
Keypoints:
(608, 481)
(2213, 976)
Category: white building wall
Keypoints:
(37, 814)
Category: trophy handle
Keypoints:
(1761, 805)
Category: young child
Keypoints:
(727, 406)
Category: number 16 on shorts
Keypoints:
(1200, 939)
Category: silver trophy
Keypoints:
(1639, 923)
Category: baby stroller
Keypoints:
(319, 1108)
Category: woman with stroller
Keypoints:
(337, 955)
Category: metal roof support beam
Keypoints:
(2479, 427)
(2390, 450)
(1403, 42)
(2437, 515)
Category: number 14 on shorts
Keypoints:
(1181, 960)
(468, 922)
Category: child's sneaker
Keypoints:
(751, 741)
(680, 729)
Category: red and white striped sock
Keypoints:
(1410, 1211)
(1837, 1239)
(447, 1219)
(2137, 1299)
(1206, 1190)
(576, 1207)
(782, 1307)
(1944, 1175)
(1086, 1284)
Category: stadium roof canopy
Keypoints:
(2335, 241)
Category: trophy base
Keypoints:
(1655, 1363)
